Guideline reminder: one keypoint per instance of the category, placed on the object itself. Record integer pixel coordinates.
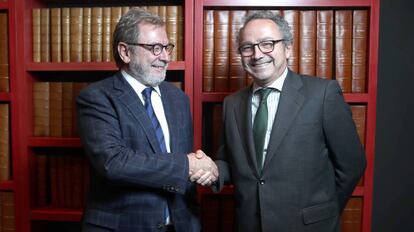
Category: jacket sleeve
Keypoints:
(110, 157)
(346, 151)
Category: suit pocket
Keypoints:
(101, 218)
(320, 212)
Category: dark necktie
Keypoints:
(158, 130)
(260, 125)
(151, 114)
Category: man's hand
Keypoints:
(202, 168)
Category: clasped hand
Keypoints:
(202, 169)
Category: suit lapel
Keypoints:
(131, 101)
(290, 102)
(172, 119)
(243, 115)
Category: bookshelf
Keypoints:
(9, 105)
(25, 147)
(28, 148)
(206, 101)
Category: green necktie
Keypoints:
(260, 125)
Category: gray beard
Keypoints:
(141, 75)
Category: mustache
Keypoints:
(160, 63)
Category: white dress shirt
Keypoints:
(272, 103)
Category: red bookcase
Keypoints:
(26, 72)
(203, 101)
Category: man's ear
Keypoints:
(288, 51)
(124, 53)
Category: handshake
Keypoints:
(202, 169)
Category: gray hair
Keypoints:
(127, 29)
(282, 24)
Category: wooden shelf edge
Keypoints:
(54, 142)
(7, 185)
(88, 66)
(5, 97)
(56, 214)
(289, 3)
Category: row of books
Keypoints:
(4, 53)
(330, 44)
(62, 179)
(54, 105)
(4, 143)
(218, 214)
(85, 34)
(7, 219)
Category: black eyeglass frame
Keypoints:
(151, 47)
(274, 42)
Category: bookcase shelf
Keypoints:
(36, 156)
(88, 66)
(56, 214)
(207, 104)
(54, 142)
(7, 185)
(190, 73)
(4, 97)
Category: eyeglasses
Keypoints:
(266, 46)
(156, 49)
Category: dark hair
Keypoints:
(282, 24)
(127, 29)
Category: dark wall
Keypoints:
(393, 200)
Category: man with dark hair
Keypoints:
(137, 133)
(289, 144)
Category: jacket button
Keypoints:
(262, 182)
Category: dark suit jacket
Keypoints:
(314, 159)
(131, 180)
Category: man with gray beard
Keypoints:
(137, 133)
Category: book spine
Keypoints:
(56, 34)
(86, 35)
(307, 42)
(292, 17)
(343, 49)
(208, 51)
(36, 35)
(76, 28)
(221, 50)
(359, 50)
(45, 35)
(324, 44)
(237, 73)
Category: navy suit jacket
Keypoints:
(314, 159)
(131, 180)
